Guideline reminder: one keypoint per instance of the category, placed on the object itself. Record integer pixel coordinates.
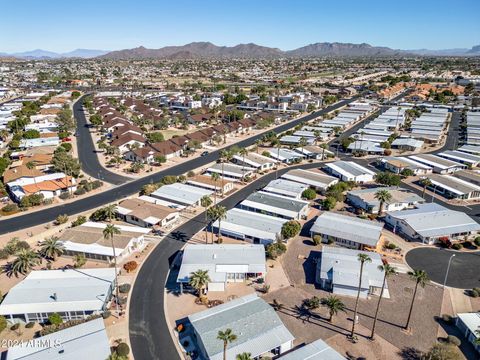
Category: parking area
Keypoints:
(463, 273)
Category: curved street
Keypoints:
(129, 188)
(463, 271)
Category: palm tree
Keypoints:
(425, 183)
(51, 248)
(221, 212)
(323, 146)
(278, 159)
(243, 152)
(30, 165)
(258, 142)
(199, 280)
(215, 178)
(205, 202)
(382, 196)
(388, 271)
(225, 156)
(244, 356)
(317, 134)
(302, 142)
(226, 336)
(334, 305)
(79, 260)
(110, 211)
(421, 278)
(108, 233)
(363, 258)
(24, 262)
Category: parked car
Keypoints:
(205, 153)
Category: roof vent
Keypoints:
(54, 296)
(214, 256)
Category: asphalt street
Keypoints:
(86, 150)
(150, 335)
(463, 271)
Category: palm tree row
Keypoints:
(217, 213)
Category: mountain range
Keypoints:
(197, 50)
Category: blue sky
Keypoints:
(59, 25)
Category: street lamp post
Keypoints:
(448, 269)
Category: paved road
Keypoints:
(150, 335)
(86, 150)
(463, 271)
(43, 216)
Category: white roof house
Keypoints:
(250, 226)
(317, 350)
(407, 143)
(347, 231)
(314, 179)
(255, 160)
(339, 272)
(461, 157)
(71, 293)
(286, 188)
(350, 171)
(469, 324)
(431, 222)
(181, 194)
(224, 262)
(231, 171)
(88, 340)
(398, 164)
(439, 164)
(275, 205)
(258, 328)
(284, 155)
(401, 199)
(454, 187)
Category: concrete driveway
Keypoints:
(464, 267)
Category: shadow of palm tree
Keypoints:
(410, 353)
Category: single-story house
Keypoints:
(250, 226)
(453, 187)
(284, 155)
(295, 140)
(231, 171)
(314, 179)
(258, 327)
(206, 182)
(350, 171)
(408, 144)
(347, 231)
(431, 222)
(275, 205)
(469, 324)
(314, 152)
(286, 188)
(401, 199)
(398, 164)
(470, 160)
(439, 164)
(317, 350)
(71, 293)
(181, 194)
(254, 160)
(88, 340)
(225, 263)
(145, 214)
(49, 185)
(87, 239)
(338, 271)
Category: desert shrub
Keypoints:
(80, 191)
(30, 324)
(474, 293)
(130, 266)
(477, 241)
(191, 173)
(124, 288)
(329, 203)
(290, 229)
(309, 194)
(122, 349)
(66, 146)
(79, 221)
(276, 249)
(391, 246)
(4, 254)
(15, 326)
(96, 184)
(10, 208)
(64, 195)
(453, 340)
(55, 319)
(457, 246)
(61, 219)
(317, 239)
(3, 323)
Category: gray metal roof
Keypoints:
(286, 187)
(181, 193)
(85, 341)
(453, 184)
(317, 350)
(275, 201)
(433, 220)
(310, 178)
(341, 267)
(399, 195)
(208, 257)
(349, 167)
(256, 324)
(348, 227)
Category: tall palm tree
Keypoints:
(108, 233)
(382, 196)
(110, 211)
(303, 142)
(363, 258)
(30, 165)
(425, 183)
(278, 159)
(334, 305)
(226, 336)
(215, 177)
(51, 248)
(221, 212)
(243, 152)
(205, 202)
(199, 280)
(388, 271)
(225, 156)
(323, 146)
(24, 262)
(317, 134)
(258, 142)
(421, 278)
(244, 356)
